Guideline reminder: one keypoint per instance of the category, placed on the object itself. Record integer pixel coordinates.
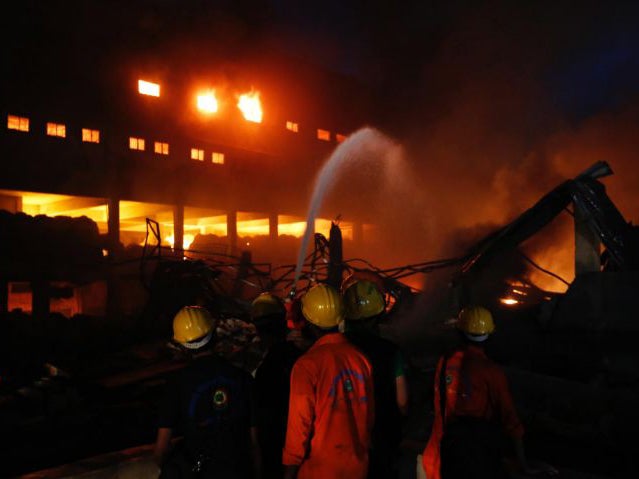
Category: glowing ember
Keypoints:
(508, 301)
(148, 88)
(207, 102)
(251, 107)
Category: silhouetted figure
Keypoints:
(211, 402)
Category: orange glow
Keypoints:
(251, 106)
(296, 226)
(207, 102)
(17, 123)
(56, 129)
(217, 158)
(509, 301)
(252, 226)
(186, 241)
(161, 148)
(90, 136)
(197, 154)
(148, 88)
(136, 143)
(293, 229)
(559, 261)
(323, 135)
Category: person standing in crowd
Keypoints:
(272, 379)
(365, 307)
(211, 403)
(472, 403)
(331, 403)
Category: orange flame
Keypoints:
(207, 102)
(186, 241)
(251, 106)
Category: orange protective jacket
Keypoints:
(331, 411)
(475, 387)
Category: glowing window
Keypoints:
(136, 143)
(197, 154)
(340, 138)
(292, 126)
(251, 106)
(90, 136)
(161, 148)
(323, 135)
(56, 129)
(217, 158)
(17, 123)
(207, 102)
(148, 88)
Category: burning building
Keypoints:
(220, 156)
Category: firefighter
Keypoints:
(272, 379)
(365, 307)
(472, 403)
(210, 402)
(331, 404)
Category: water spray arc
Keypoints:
(365, 144)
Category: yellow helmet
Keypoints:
(363, 299)
(267, 304)
(322, 306)
(364, 275)
(476, 323)
(193, 327)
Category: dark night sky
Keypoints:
(494, 97)
(585, 58)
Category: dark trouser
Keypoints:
(179, 466)
(383, 463)
(471, 449)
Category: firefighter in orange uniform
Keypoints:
(471, 401)
(331, 404)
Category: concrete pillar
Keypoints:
(587, 245)
(231, 229)
(13, 204)
(178, 229)
(113, 306)
(272, 227)
(113, 224)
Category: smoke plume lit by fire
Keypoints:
(483, 148)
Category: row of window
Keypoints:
(93, 136)
(21, 123)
